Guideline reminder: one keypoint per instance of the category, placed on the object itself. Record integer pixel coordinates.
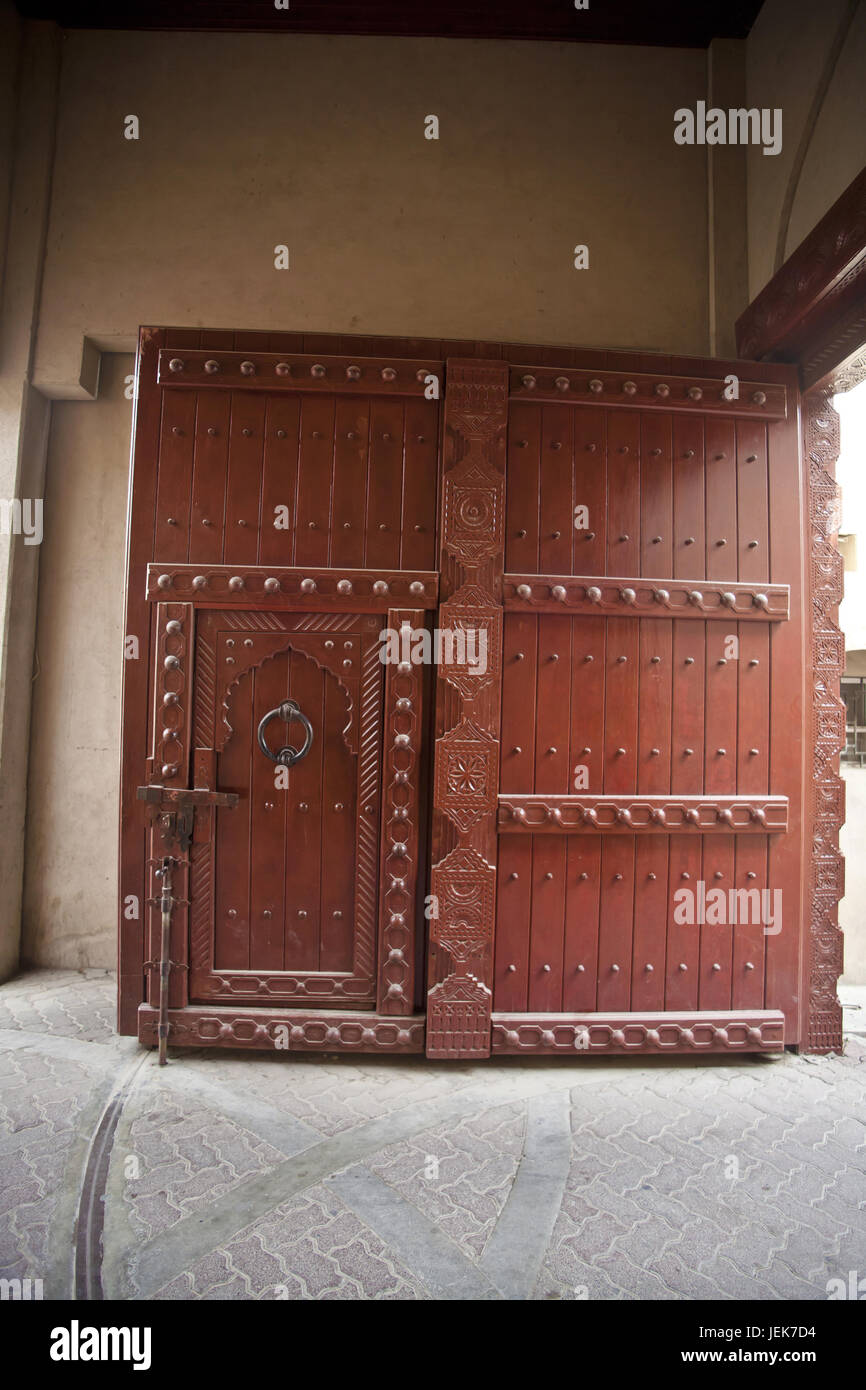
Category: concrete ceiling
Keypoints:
(674, 23)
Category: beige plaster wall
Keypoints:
(789, 54)
(70, 881)
(249, 141)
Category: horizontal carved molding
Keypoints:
(257, 986)
(306, 1030)
(759, 1030)
(659, 814)
(276, 371)
(646, 598)
(648, 391)
(261, 586)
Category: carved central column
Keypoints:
(468, 694)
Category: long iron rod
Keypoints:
(166, 904)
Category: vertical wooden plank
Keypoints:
(517, 773)
(580, 971)
(656, 496)
(720, 730)
(752, 502)
(551, 775)
(687, 748)
(420, 464)
(586, 773)
(267, 813)
(339, 781)
(652, 853)
(243, 495)
(304, 823)
(524, 488)
(689, 502)
(176, 445)
(555, 512)
(687, 707)
(589, 491)
(385, 485)
(279, 481)
(753, 714)
(620, 776)
(788, 860)
(210, 464)
(315, 475)
(232, 844)
(351, 442)
(623, 491)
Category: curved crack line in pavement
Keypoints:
(90, 1219)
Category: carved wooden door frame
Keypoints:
(812, 313)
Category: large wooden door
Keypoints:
(637, 883)
(283, 516)
(616, 805)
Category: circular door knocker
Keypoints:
(287, 756)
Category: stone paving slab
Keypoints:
(239, 1176)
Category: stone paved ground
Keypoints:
(239, 1176)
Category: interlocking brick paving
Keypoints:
(241, 1176)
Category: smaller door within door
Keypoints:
(283, 896)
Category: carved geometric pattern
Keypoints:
(468, 716)
(458, 1017)
(757, 1031)
(478, 627)
(824, 1032)
(267, 647)
(349, 591)
(292, 1031)
(278, 372)
(699, 815)
(399, 828)
(656, 598)
(473, 514)
(466, 774)
(477, 400)
(643, 391)
(463, 888)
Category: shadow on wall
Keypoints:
(70, 888)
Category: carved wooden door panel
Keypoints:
(283, 514)
(651, 768)
(283, 890)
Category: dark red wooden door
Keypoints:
(650, 773)
(283, 907)
(283, 515)
(618, 804)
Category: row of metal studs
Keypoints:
(695, 393)
(211, 366)
(594, 594)
(307, 586)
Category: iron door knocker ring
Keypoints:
(287, 756)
